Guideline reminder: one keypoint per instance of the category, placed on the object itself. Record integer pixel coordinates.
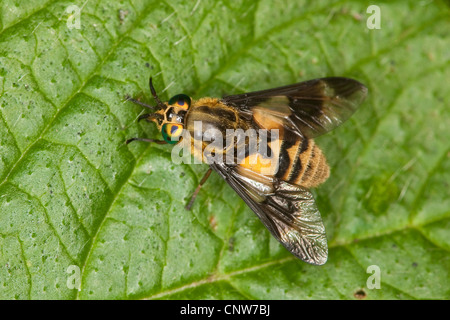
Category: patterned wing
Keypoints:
(309, 108)
(288, 211)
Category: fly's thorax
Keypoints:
(209, 121)
(214, 115)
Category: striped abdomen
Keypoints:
(302, 162)
(299, 162)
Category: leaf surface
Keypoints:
(73, 194)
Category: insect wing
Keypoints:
(309, 108)
(288, 211)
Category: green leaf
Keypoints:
(75, 198)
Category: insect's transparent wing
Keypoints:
(288, 211)
(309, 108)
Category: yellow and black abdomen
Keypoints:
(299, 160)
(302, 162)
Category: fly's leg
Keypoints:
(194, 195)
(146, 140)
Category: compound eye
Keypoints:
(181, 101)
(172, 132)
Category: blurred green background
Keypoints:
(80, 209)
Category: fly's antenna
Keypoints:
(128, 98)
(159, 105)
(155, 96)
